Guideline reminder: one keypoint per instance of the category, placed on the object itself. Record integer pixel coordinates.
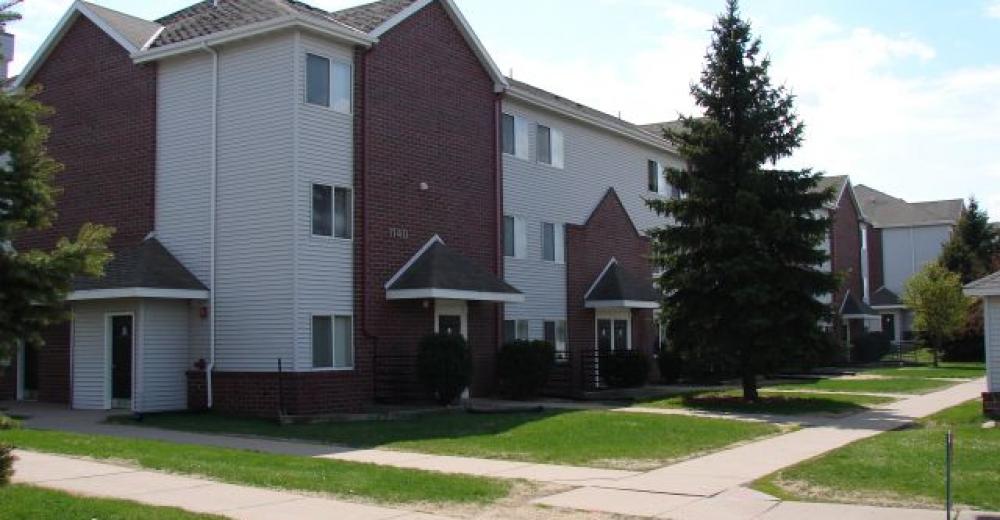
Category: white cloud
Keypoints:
(993, 9)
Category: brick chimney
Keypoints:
(6, 52)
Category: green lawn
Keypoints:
(344, 479)
(945, 370)
(32, 503)
(774, 403)
(903, 467)
(586, 438)
(890, 385)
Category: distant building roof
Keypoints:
(884, 210)
(986, 286)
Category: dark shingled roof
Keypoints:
(369, 16)
(440, 267)
(883, 297)
(148, 265)
(204, 18)
(854, 307)
(617, 284)
(884, 210)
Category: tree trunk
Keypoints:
(750, 386)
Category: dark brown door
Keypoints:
(121, 357)
(603, 336)
(450, 324)
(30, 384)
(889, 326)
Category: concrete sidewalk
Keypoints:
(97, 479)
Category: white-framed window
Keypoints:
(514, 130)
(514, 236)
(656, 175)
(332, 342)
(332, 211)
(329, 83)
(515, 330)
(549, 146)
(555, 334)
(553, 243)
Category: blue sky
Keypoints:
(903, 95)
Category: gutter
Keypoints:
(214, 168)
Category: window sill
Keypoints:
(327, 108)
(328, 369)
(330, 238)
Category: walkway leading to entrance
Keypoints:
(193, 494)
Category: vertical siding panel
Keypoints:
(993, 343)
(164, 355)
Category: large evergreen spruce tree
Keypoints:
(973, 245)
(742, 259)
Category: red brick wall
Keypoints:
(429, 117)
(609, 232)
(104, 131)
(846, 249)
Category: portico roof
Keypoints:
(855, 308)
(615, 287)
(986, 286)
(438, 271)
(145, 270)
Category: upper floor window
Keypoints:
(515, 136)
(514, 236)
(550, 146)
(328, 83)
(331, 211)
(553, 244)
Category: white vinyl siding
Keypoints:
(183, 160)
(905, 251)
(594, 160)
(324, 154)
(163, 356)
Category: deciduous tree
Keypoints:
(939, 306)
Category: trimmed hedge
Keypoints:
(870, 347)
(444, 366)
(523, 367)
(671, 366)
(625, 368)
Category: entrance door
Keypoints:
(449, 324)
(451, 317)
(29, 373)
(121, 361)
(889, 326)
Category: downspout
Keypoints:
(212, 223)
(498, 214)
(361, 180)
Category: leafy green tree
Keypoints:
(973, 245)
(34, 283)
(935, 296)
(742, 260)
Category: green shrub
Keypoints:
(6, 423)
(870, 347)
(444, 366)
(523, 367)
(625, 368)
(7, 459)
(670, 364)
